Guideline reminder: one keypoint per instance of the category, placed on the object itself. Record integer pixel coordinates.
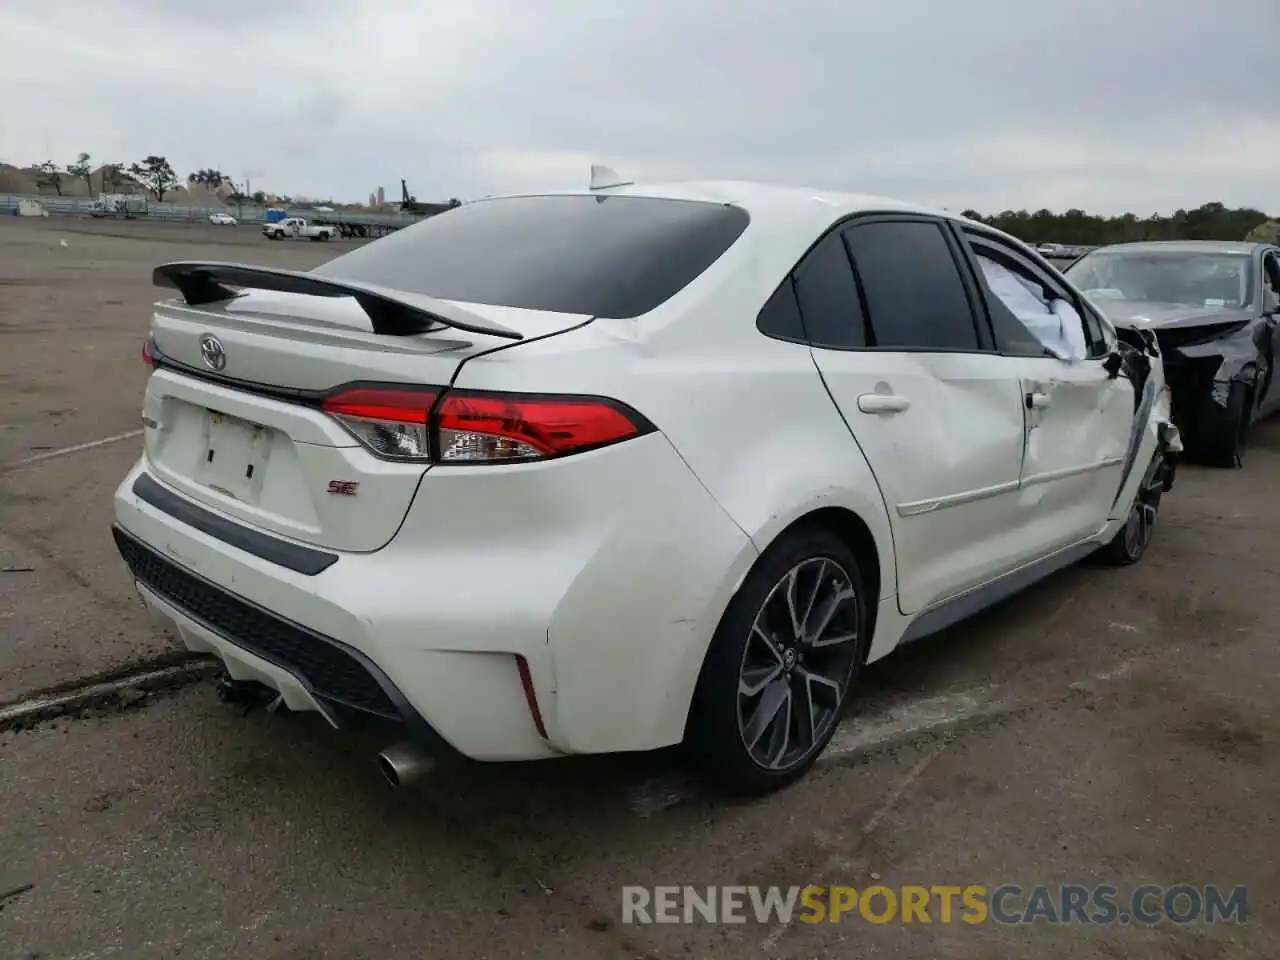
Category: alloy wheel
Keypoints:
(1140, 527)
(1141, 524)
(797, 662)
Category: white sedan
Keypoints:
(222, 219)
(625, 467)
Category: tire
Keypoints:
(1224, 435)
(755, 661)
(1131, 541)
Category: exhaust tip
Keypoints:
(388, 770)
(404, 764)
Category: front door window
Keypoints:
(1054, 322)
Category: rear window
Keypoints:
(605, 256)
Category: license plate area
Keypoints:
(234, 454)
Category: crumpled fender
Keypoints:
(1137, 359)
(1241, 360)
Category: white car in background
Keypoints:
(222, 219)
(618, 468)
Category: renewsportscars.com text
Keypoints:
(971, 904)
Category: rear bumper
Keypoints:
(609, 598)
(310, 671)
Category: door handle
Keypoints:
(882, 403)
(1036, 400)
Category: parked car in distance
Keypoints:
(1214, 307)
(296, 228)
(222, 219)
(630, 466)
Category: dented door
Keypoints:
(943, 434)
(935, 411)
(1079, 421)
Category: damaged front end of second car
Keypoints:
(1217, 364)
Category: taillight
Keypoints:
(493, 428)
(392, 423)
(147, 358)
(460, 426)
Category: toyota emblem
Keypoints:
(215, 358)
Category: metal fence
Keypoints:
(250, 213)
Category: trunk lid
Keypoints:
(292, 343)
(238, 429)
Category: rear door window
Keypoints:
(604, 256)
(828, 296)
(915, 297)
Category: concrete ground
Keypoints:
(1107, 727)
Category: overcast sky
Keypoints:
(1108, 105)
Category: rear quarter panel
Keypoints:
(749, 415)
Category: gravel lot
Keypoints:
(1108, 727)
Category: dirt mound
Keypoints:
(195, 195)
(1268, 232)
(16, 180)
(26, 180)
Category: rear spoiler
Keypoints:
(395, 313)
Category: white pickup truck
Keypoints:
(295, 228)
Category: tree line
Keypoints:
(1212, 221)
(154, 173)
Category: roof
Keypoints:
(1185, 246)
(750, 195)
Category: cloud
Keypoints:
(1108, 106)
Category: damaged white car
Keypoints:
(628, 466)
